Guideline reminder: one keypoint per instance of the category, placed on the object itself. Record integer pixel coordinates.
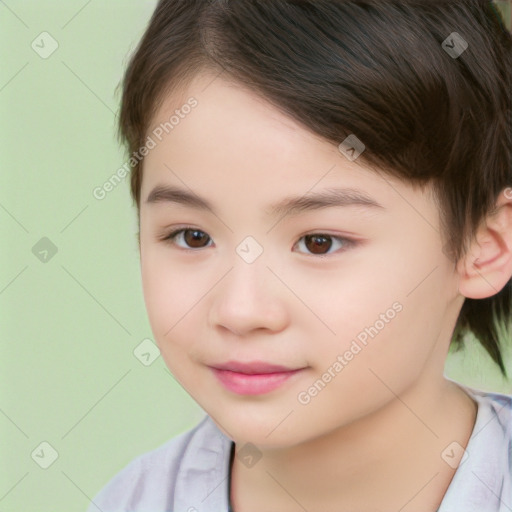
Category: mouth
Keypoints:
(253, 378)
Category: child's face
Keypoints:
(298, 304)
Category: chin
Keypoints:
(265, 432)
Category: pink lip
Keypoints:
(254, 367)
(252, 378)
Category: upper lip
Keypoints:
(253, 367)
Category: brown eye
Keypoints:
(318, 244)
(192, 238)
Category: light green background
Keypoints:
(69, 325)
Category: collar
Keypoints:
(202, 483)
(480, 482)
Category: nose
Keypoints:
(249, 298)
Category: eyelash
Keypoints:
(348, 242)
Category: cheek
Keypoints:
(381, 327)
(397, 352)
(170, 296)
(360, 302)
(170, 293)
(372, 374)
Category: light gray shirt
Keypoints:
(191, 472)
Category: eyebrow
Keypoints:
(329, 198)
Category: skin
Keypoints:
(372, 438)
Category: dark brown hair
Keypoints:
(378, 69)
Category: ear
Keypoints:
(487, 267)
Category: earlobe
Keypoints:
(487, 267)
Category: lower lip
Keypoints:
(256, 384)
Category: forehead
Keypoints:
(239, 115)
(232, 125)
(234, 138)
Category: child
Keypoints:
(262, 130)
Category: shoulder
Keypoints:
(492, 433)
(496, 407)
(483, 481)
(149, 480)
